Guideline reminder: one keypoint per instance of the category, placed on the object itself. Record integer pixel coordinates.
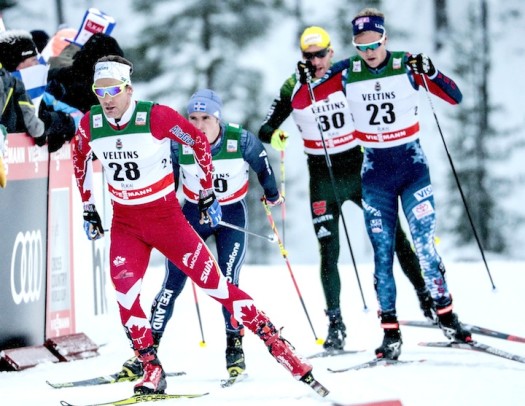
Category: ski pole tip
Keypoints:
(319, 341)
(202, 344)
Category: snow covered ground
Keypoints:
(447, 377)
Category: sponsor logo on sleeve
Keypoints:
(181, 135)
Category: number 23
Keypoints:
(385, 109)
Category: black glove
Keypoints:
(209, 207)
(276, 200)
(421, 64)
(56, 88)
(306, 71)
(92, 223)
(40, 141)
(59, 128)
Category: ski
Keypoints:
(374, 363)
(226, 383)
(333, 353)
(132, 400)
(475, 346)
(103, 380)
(472, 328)
(313, 383)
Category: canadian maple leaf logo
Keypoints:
(252, 317)
(138, 328)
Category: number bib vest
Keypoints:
(137, 166)
(230, 170)
(329, 113)
(383, 106)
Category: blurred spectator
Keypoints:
(19, 55)
(72, 84)
(59, 50)
(18, 112)
(40, 38)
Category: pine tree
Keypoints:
(4, 4)
(343, 17)
(201, 45)
(440, 23)
(472, 156)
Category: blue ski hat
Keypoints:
(205, 101)
(368, 23)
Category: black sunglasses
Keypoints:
(318, 54)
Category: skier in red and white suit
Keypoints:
(132, 141)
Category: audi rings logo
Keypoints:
(27, 267)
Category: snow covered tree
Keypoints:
(471, 154)
(190, 45)
(440, 23)
(343, 22)
(6, 4)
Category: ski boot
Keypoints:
(131, 370)
(336, 331)
(426, 303)
(391, 346)
(283, 352)
(235, 364)
(154, 378)
(451, 327)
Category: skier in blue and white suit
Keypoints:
(234, 150)
(382, 91)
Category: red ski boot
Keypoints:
(154, 378)
(283, 352)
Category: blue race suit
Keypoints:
(384, 104)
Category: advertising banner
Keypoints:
(23, 225)
(60, 284)
(53, 281)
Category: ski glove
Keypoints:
(421, 64)
(209, 207)
(279, 140)
(306, 71)
(92, 223)
(59, 128)
(275, 201)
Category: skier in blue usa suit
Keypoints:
(382, 90)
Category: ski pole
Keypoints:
(284, 253)
(478, 241)
(203, 342)
(270, 238)
(283, 205)
(334, 188)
